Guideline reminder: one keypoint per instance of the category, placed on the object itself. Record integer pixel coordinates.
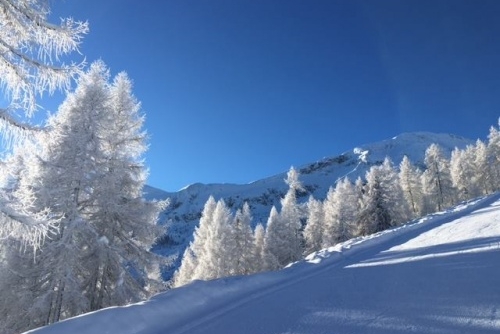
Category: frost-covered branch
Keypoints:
(31, 52)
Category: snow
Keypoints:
(182, 215)
(439, 274)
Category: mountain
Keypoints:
(438, 274)
(184, 212)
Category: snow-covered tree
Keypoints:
(197, 248)
(32, 52)
(259, 240)
(244, 242)
(463, 172)
(99, 255)
(217, 260)
(409, 180)
(313, 231)
(494, 156)
(124, 221)
(283, 241)
(341, 207)
(273, 241)
(384, 205)
(482, 169)
(436, 180)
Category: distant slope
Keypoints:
(183, 214)
(437, 275)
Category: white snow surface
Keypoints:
(438, 274)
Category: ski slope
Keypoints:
(440, 274)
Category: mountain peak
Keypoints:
(184, 212)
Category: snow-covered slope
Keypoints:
(183, 214)
(439, 274)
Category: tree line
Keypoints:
(224, 244)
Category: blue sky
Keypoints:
(237, 90)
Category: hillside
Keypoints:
(435, 275)
(182, 216)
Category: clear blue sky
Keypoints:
(237, 90)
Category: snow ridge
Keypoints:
(435, 274)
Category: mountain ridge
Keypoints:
(182, 215)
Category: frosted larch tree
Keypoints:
(463, 172)
(217, 260)
(409, 180)
(313, 231)
(494, 156)
(244, 241)
(384, 204)
(341, 207)
(259, 239)
(99, 256)
(436, 180)
(31, 57)
(283, 236)
(198, 247)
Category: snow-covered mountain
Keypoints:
(438, 274)
(184, 212)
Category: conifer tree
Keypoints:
(340, 207)
(283, 234)
(409, 180)
(259, 242)
(244, 252)
(313, 232)
(273, 241)
(99, 256)
(493, 150)
(436, 180)
(463, 172)
(197, 248)
(384, 204)
(482, 169)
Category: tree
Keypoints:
(259, 242)
(99, 256)
(197, 248)
(482, 169)
(216, 260)
(409, 180)
(31, 52)
(244, 242)
(340, 207)
(384, 204)
(273, 241)
(463, 172)
(494, 156)
(313, 232)
(436, 180)
(283, 243)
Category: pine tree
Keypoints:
(436, 180)
(313, 232)
(341, 207)
(196, 248)
(384, 203)
(463, 172)
(409, 180)
(273, 241)
(215, 261)
(482, 169)
(244, 241)
(283, 243)
(494, 156)
(99, 256)
(259, 242)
